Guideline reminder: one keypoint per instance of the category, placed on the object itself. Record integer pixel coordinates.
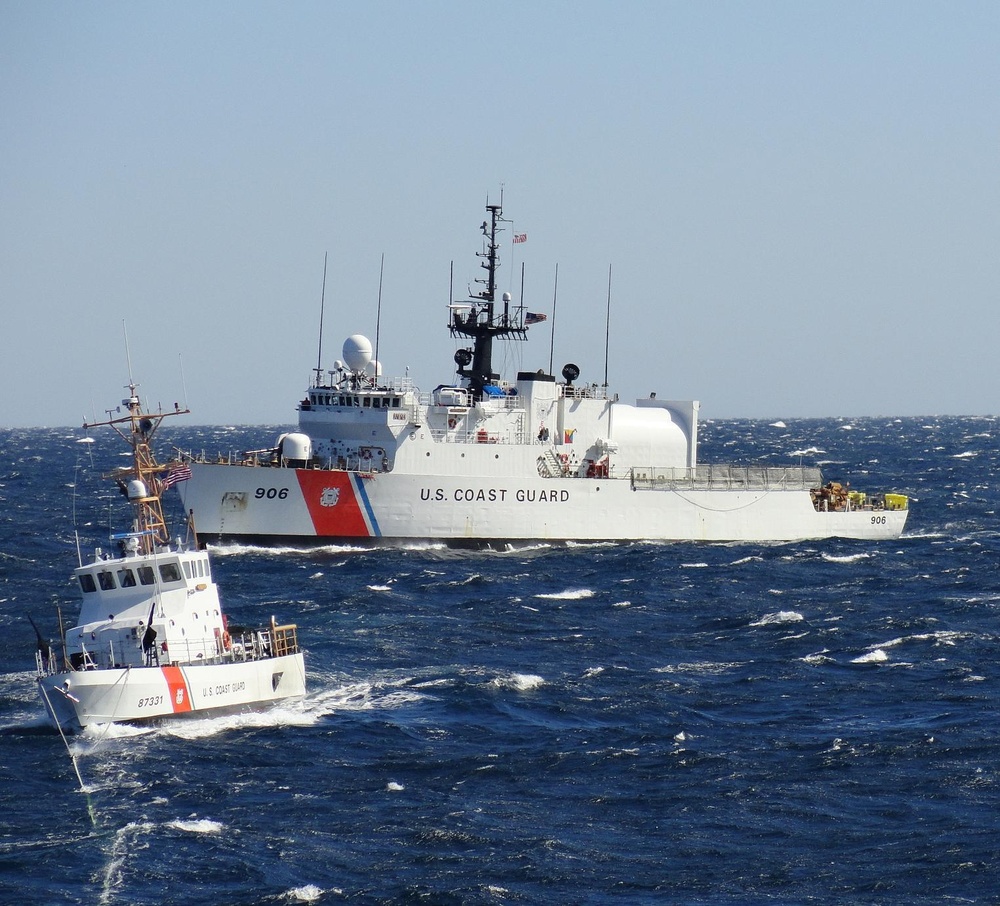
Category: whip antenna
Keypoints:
(322, 306)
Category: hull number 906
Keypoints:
(271, 493)
(878, 520)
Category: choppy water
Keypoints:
(645, 723)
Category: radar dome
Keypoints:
(357, 352)
(374, 368)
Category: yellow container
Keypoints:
(857, 499)
(896, 501)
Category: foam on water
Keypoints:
(195, 825)
(573, 594)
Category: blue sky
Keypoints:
(799, 201)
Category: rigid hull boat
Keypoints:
(151, 641)
(487, 460)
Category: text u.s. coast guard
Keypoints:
(495, 495)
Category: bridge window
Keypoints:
(87, 582)
(146, 576)
(106, 580)
(126, 578)
(169, 572)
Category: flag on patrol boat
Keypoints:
(177, 473)
(520, 237)
(532, 317)
(568, 435)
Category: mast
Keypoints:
(478, 320)
(140, 482)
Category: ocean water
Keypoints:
(637, 723)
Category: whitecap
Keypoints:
(876, 656)
(845, 558)
(778, 424)
(393, 787)
(308, 893)
(519, 682)
(694, 565)
(573, 594)
(968, 454)
(814, 660)
(86, 440)
(379, 587)
(194, 825)
(783, 616)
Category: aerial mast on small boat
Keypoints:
(140, 482)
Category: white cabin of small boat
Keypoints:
(141, 610)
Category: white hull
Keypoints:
(236, 502)
(76, 699)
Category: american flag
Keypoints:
(520, 237)
(177, 473)
(533, 317)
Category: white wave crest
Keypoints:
(572, 594)
(876, 656)
(519, 682)
(194, 825)
(845, 558)
(308, 893)
(782, 616)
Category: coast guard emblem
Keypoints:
(329, 497)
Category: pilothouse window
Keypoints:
(146, 576)
(87, 583)
(169, 572)
(106, 580)
(126, 578)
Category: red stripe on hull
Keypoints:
(180, 695)
(332, 503)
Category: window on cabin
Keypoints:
(201, 568)
(126, 578)
(146, 576)
(106, 580)
(187, 569)
(87, 583)
(169, 572)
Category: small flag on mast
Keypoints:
(533, 317)
(520, 237)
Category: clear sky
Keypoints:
(799, 201)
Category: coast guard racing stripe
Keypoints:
(338, 504)
(180, 695)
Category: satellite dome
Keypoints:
(357, 352)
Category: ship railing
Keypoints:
(726, 477)
(584, 392)
(46, 662)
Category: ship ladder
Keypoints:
(549, 465)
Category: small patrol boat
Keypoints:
(152, 641)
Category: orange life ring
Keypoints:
(452, 422)
(227, 642)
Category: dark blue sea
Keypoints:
(639, 723)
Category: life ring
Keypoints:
(481, 436)
(227, 642)
(452, 423)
